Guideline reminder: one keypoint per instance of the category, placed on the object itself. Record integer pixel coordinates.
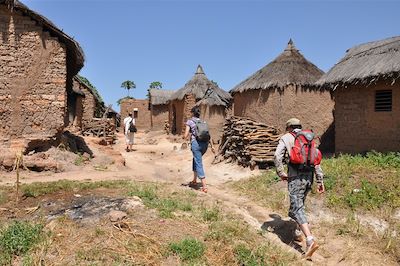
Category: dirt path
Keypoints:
(167, 162)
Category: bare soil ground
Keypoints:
(161, 159)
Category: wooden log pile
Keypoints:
(102, 128)
(247, 142)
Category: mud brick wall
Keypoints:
(33, 76)
(143, 121)
(159, 114)
(215, 117)
(89, 106)
(176, 112)
(314, 108)
(358, 128)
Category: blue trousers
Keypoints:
(198, 149)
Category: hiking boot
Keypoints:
(311, 249)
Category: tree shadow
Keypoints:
(285, 230)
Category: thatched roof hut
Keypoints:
(366, 63)
(289, 68)
(199, 91)
(160, 97)
(366, 88)
(75, 56)
(203, 90)
(285, 88)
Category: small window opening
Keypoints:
(383, 101)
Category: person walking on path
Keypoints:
(198, 147)
(128, 134)
(300, 179)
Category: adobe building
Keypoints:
(284, 89)
(213, 101)
(159, 107)
(37, 64)
(140, 111)
(366, 89)
(92, 103)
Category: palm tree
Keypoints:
(128, 84)
(156, 85)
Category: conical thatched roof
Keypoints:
(290, 67)
(205, 91)
(366, 63)
(160, 97)
(75, 56)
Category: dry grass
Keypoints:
(145, 237)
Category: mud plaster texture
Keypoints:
(159, 114)
(33, 81)
(143, 113)
(180, 112)
(313, 107)
(358, 127)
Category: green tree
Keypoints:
(128, 84)
(154, 85)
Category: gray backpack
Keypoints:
(202, 131)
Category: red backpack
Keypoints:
(304, 151)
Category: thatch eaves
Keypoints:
(289, 68)
(160, 97)
(92, 89)
(75, 56)
(205, 91)
(366, 63)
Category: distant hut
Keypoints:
(366, 89)
(93, 104)
(140, 110)
(159, 107)
(38, 62)
(283, 89)
(200, 91)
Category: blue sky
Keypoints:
(165, 40)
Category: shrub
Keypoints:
(18, 239)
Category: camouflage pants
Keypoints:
(299, 187)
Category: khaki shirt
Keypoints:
(285, 144)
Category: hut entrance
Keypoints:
(173, 128)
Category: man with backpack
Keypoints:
(129, 130)
(199, 139)
(304, 162)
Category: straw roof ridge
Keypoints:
(289, 68)
(205, 91)
(160, 97)
(366, 63)
(74, 52)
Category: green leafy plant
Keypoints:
(188, 249)
(19, 238)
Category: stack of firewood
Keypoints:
(247, 142)
(102, 128)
